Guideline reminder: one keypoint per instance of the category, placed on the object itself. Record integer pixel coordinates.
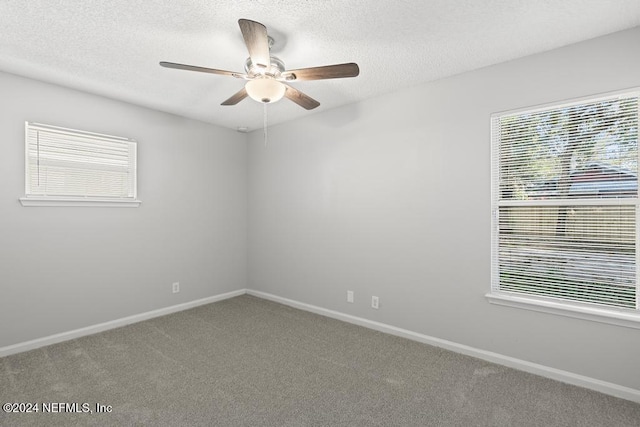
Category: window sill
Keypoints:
(595, 314)
(46, 201)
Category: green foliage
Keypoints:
(544, 147)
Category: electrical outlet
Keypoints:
(176, 287)
(375, 302)
(350, 296)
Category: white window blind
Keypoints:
(565, 202)
(72, 164)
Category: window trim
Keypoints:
(612, 316)
(603, 314)
(61, 201)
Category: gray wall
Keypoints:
(65, 268)
(391, 197)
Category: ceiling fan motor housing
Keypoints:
(275, 69)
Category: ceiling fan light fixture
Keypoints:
(266, 75)
(265, 90)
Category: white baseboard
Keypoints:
(522, 365)
(77, 333)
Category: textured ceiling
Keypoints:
(113, 47)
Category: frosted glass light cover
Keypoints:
(265, 90)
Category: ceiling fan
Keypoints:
(266, 75)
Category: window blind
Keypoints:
(76, 164)
(565, 201)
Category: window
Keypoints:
(69, 167)
(565, 209)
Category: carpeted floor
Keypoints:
(250, 362)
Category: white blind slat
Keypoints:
(544, 159)
(69, 163)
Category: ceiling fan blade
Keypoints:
(237, 97)
(257, 41)
(337, 71)
(305, 101)
(200, 69)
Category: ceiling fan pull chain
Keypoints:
(265, 123)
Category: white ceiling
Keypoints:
(113, 47)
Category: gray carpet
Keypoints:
(250, 362)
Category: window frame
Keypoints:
(593, 312)
(30, 200)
